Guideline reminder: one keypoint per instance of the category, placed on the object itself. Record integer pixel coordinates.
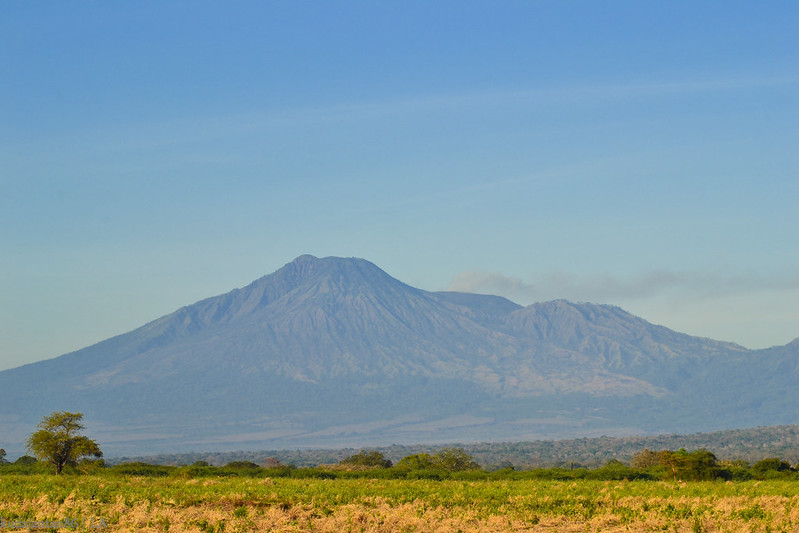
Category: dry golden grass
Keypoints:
(338, 506)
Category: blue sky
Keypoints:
(642, 154)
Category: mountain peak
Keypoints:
(305, 261)
(347, 271)
(307, 264)
(301, 266)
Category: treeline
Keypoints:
(448, 463)
(750, 445)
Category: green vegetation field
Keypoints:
(179, 502)
(447, 491)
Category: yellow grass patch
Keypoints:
(363, 505)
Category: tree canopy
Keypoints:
(59, 442)
(367, 458)
(449, 459)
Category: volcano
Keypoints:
(335, 352)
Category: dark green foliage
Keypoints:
(419, 461)
(142, 469)
(241, 469)
(700, 465)
(470, 475)
(616, 470)
(446, 460)
(25, 465)
(279, 471)
(556, 473)
(374, 459)
(455, 460)
(314, 473)
(770, 466)
(737, 473)
(454, 464)
(192, 471)
(241, 464)
(427, 473)
(371, 473)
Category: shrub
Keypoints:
(455, 460)
(428, 473)
(141, 469)
(616, 470)
(372, 459)
(241, 465)
(448, 459)
(770, 466)
(419, 461)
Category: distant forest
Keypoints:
(750, 445)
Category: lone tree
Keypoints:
(58, 441)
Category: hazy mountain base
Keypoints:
(456, 417)
(750, 445)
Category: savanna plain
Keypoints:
(184, 499)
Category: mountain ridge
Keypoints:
(329, 350)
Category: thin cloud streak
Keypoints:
(160, 134)
(609, 288)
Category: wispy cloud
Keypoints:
(610, 288)
(552, 95)
(157, 133)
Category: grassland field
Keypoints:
(43, 502)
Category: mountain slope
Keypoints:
(620, 341)
(336, 351)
